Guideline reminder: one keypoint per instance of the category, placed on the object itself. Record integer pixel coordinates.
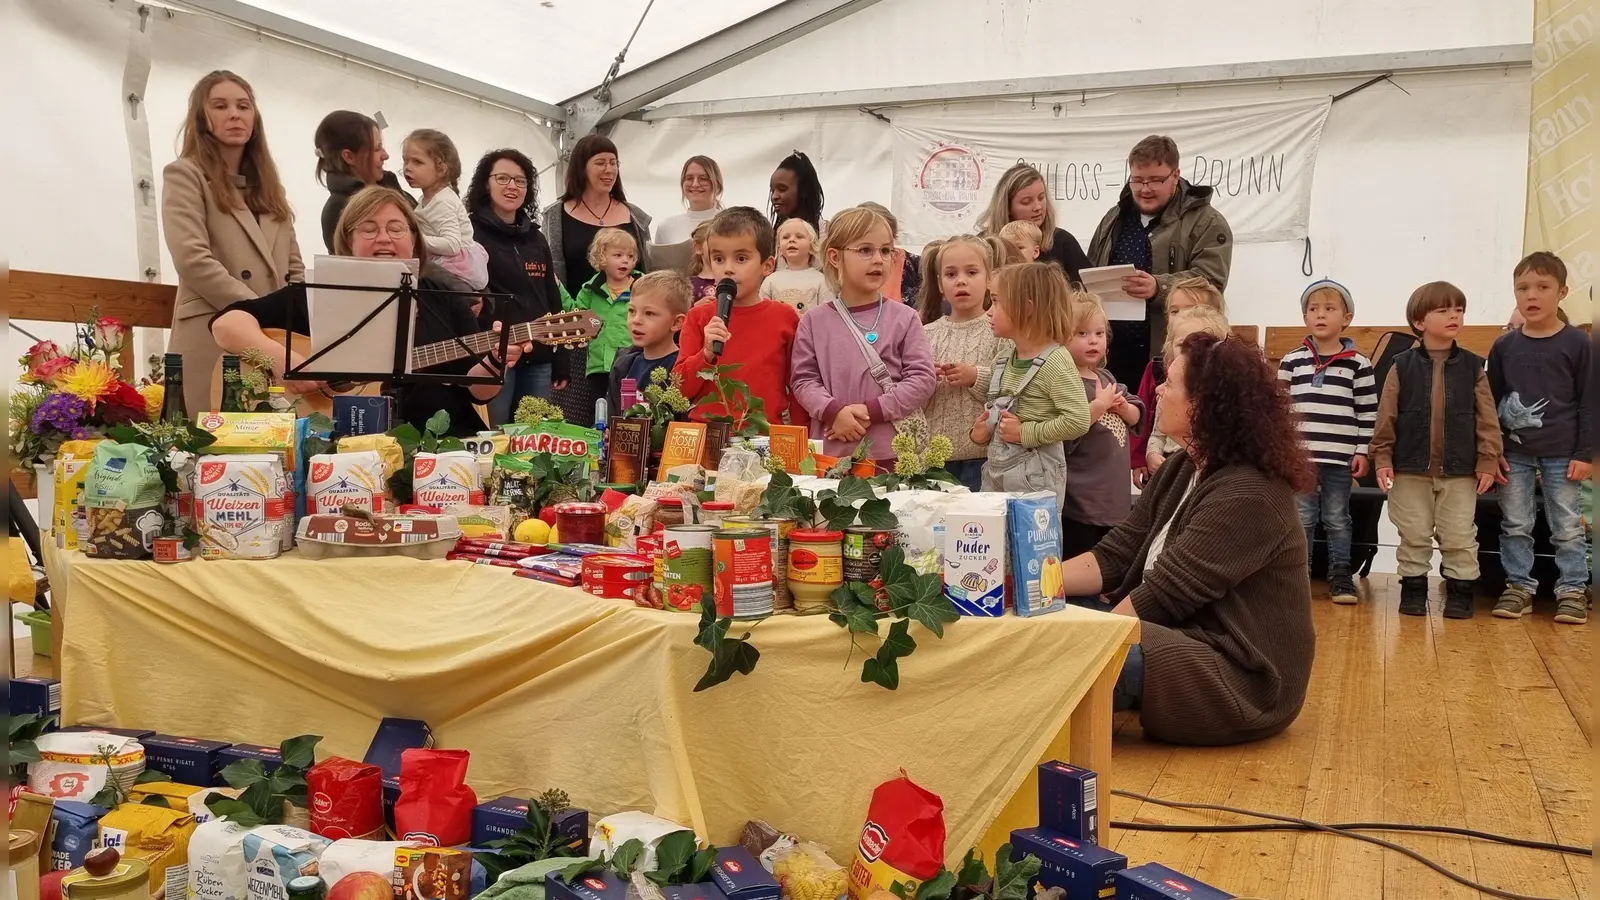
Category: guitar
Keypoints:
(564, 329)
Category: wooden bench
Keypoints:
(1282, 339)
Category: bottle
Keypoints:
(173, 409)
(278, 399)
(629, 394)
(232, 401)
(306, 887)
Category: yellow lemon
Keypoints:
(534, 531)
(554, 538)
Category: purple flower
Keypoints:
(60, 412)
(83, 434)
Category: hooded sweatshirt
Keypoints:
(520, 265)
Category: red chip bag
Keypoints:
(346, 799)
(435, 805)
(902, 841)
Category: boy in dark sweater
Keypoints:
(1538, 374)
(656, 310)
(1436, 447)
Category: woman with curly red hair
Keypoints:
(1212, 559)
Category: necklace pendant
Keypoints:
(872, 337)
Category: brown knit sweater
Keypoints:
(1226, 611)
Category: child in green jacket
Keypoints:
(613, 253)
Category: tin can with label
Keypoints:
(617, 576)
(686, 566)
(863, 558)
(743, 558)
(780, 529)
(815, 569)
(169, 550)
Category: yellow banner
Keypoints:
(1562, 144)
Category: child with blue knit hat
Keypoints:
(1336, 399)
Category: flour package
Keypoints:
(446, 479)
(72, 765)
(231, 862)
(242, 506)
(975, 554)
(353, 857)
(921, 530)
(1033, 532)
(337, 480)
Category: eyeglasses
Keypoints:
(503, 180)
(868, 254)
(1150, 182)
(697, 179)
(396, 230)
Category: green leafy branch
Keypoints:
(265, 793)
(1010, 882)
(537, 841)
(855, 502)
(728, 655)
(782, 500)
(913, 597)
(744, 412)
(434, 438)
(22, 733)
(678, 861)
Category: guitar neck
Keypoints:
(441, 352)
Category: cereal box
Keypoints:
(446, 479)
(241, 507)
(975, 554)
(338, 480)
(1034, 536)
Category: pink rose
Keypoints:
(50, 370)
(109, 335)
(43, 351)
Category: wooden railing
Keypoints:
(1281, 339)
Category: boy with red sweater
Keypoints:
(759, 336)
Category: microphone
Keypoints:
(726, 289)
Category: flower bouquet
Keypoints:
(76, 394)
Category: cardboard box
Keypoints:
(269, 757)
(600, 884)
(735, 867)
(32, 694)
(185, 760)
(500, 818)
(1153, 881)
(1084, 871)
(394, 737)
(975, 555)
(138, 734)
(1069, 801)
(740, 876)
(1033, 534)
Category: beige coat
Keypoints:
(221, 258)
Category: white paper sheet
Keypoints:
(335, 312)
(1106, 283)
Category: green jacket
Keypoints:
(1190, 238)
(613, 335)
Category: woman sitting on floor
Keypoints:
(1212, 559)
(379, 223)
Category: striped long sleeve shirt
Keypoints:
(1335, 398)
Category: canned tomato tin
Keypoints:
(617, 576)
(743, 576)
(581, 523)
(169, 550)
(686, 566)
(649, 547)
(780, 529)
(863, 557)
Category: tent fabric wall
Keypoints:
(1415, 182)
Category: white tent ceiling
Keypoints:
(547, 49)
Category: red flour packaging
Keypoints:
(903, 839)
(435, 805)
(346, 799)
(242, 506)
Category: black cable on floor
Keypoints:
(1358, 826)
(1318, 826)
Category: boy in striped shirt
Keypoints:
(1336, 399)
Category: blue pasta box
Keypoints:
(354, 415)
(138, 734)
(394, 737)
(32, 694)
(975, 573)
(185, 760)
(498, 819)
(1153, 881)
(269, 757)
(601, 884)
(1081, 869)
(705, 890)
(740, 876)
(1033, 535)
(1069, 801)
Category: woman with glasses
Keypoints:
(701, 184)
(378, 223)
(500, 198)
(1020, 195)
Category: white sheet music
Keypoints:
(1106, 282)
(335, 312)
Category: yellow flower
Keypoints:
(154, 395)
(88, 380)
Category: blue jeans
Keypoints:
(1331, 502)
(1562, 508)
(1129, 689)
(524, 380)
(968, 471)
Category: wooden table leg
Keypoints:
(1090, 734)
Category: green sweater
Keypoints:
(1054, 408)
(613, 312)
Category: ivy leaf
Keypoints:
(236, 811)
(921, 598)
(438, 424)
(808, 465)
(700, 867)
(152, 776)
(839, 516)
(851, 613)
(672, 857)
(853, 490)
(106, 797)
(973, 871)
(300, 752)
(891, 564)
(876, 514)
(244, 774)
(15, 725)
(319, 423)
(626, 857)
(446, 444)
(154, 800)
(408, 437)
(1011, 879)
(941, 475)
(538, 819)
(884, 668)
(728, 655)
(582, 867)
(938, 887)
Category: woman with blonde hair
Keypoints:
(1020, 195)
(226, 219)
(700, 182)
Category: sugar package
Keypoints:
(1033, 536)
(975, 554)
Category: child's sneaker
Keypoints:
(1572, 607)
(1341, 588)
(1458, 598)
(1414, 595)
(1514, 602)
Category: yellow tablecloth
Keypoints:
(549, 687)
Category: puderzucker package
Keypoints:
(1083, 870)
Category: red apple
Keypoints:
(362, 886)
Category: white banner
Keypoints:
(1259, 158)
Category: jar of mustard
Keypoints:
(24, 863)
(130, 880)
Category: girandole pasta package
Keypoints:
(902, 840)
(122, 494)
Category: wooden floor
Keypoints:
(1484, 724)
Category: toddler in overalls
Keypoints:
(1033, 399)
